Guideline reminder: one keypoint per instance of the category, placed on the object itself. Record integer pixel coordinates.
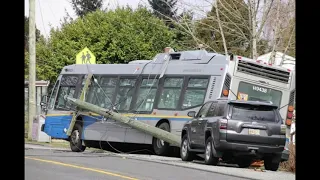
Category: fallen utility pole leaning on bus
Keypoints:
(82, 97)
(154, 131)
(166, 136)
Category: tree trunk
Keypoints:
(275, 36)
(221, 30)
(287, 47)
(253, 28)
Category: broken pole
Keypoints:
(166, 136)
(82, 97)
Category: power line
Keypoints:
(44, 28)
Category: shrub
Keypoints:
(290, 165)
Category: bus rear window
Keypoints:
(251, 92)
(249, 112)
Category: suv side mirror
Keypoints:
(191, 113)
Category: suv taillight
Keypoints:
(289, 115)
(223, 124)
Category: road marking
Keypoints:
(81, 167)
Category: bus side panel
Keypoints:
(96, 129)
(55, 125)
(177, 124)
(87, 122)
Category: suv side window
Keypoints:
(220, 109)
(204, 109)
(216, 109)
(212, 110)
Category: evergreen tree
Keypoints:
(164, 9)
(82, 7)
(234, 17)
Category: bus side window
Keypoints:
(146, 95)
(170, 95)
(125, 93)
(103, 91)
(195, 92)
(53, 95)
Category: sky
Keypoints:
(49, 13)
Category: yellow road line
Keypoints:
(83, 168)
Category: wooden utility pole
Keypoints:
(32, 66)
(170, 138)
(82, 98)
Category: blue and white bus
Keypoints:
(159, 92)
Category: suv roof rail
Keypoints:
(223, 98)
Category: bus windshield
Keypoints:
(253, 92)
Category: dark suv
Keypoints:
(235, 131)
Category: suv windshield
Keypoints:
(253, 112)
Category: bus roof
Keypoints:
(185, 62)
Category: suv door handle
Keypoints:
(200, 122)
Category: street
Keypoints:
(54, 163)
(48, 164)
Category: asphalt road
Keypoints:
(52, 164)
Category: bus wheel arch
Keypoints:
(159, 146)
(76, 143)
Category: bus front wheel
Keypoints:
(75, 139)
(161, 147)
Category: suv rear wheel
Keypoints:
(243, 162)
(270, 165)
(185, 154)
(208, 156)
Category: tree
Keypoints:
(184, 31)
(117, 36)
(280, 28)
(164, 9)
(82, 7)
(234, 26)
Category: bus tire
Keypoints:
(161, 147)
(75, 139)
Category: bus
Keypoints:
(159, 92)
(258, 80)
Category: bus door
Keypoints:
(58, 110)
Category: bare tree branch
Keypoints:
(239, 29)
(221, 30)
(264, 17)
(275, 35)
(289, 44)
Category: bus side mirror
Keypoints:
(43, 102)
